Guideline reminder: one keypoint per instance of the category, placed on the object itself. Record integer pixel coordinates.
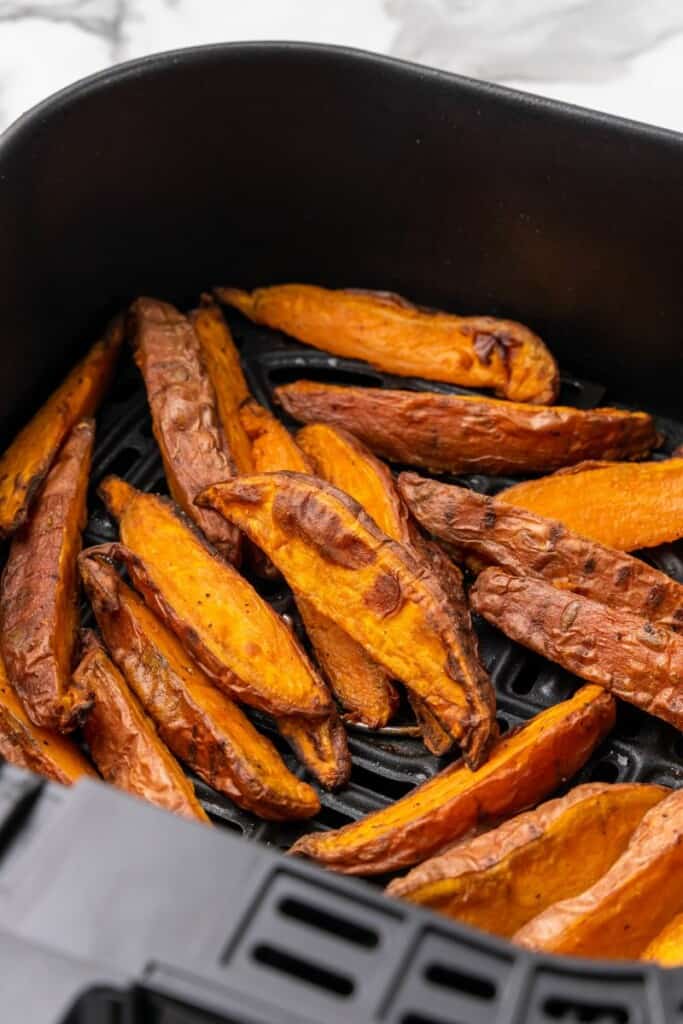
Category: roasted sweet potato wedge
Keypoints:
(666, 949)
(222, 361)
(202, 726)
(470, 434)
(39, 590)
(434, 736)
(327, 548)
(38, 750)
(234, 635)
(625, 505)
(184, 415)
(394, 335)
(272, 446)
(320, 744)
(625, 653)
(500, 880)
(25, 464)
(626, 908)
(123, 742)
(524, 767)
(523, 543)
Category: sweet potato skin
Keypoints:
(123, 742)
(488, 533)
(328, 548)
(394, 335)
(470, 434)
(222, 362)
(236, 638)
(202, 726)
(39, 589)
(666, 949)
(524, 767)
(625, 909)
(623, 652)
(621, 504)
(26, 462)
(184, 414)
(38, 750)
(500, 880)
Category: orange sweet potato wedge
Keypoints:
(236, 638)
(222, 362)
(38, 750)
(25, 464)
(376, 590)
(203, 727)
(666, 949)
(500, 880)
(627, 908)
(485, 532)
(468, 433)
(272, 446)
(123, 742)
(625, 505)
(625, 653)
(394, 335)
(39, 590)
(524, 767)
(320, 744)
(184, 415)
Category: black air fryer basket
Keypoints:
(259, 163)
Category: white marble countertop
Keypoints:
(621, 56)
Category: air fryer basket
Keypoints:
(348, 169)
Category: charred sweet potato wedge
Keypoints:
(434, 736)
(524, 767)
(500, 880)
(123, 742)
(26, 462)
(222, 361)
(666, 949)
(485, 532)
(39, 590)
(468, 433)
(320, 744)
(329, 549)
(623, 911)
(203, 727)
(394, 335)
(625, 653)
(625, 505)
(184, 415)
(38, 750)
(233, 634)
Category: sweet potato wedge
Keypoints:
(434, 736)
(625, 909)
(25, 464)
(320, 744)
(202, 726)
(624, 505)
(470, 434)
(666, 949)
(500, 880)
(222, 361)
(488, 533)
(272, 446)
(327, 548)
(234, 635)
(123, 742)
(184, 415)
(623, 652)
(38, 750)
(394, 335)
(39, 589)
(524, 767)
